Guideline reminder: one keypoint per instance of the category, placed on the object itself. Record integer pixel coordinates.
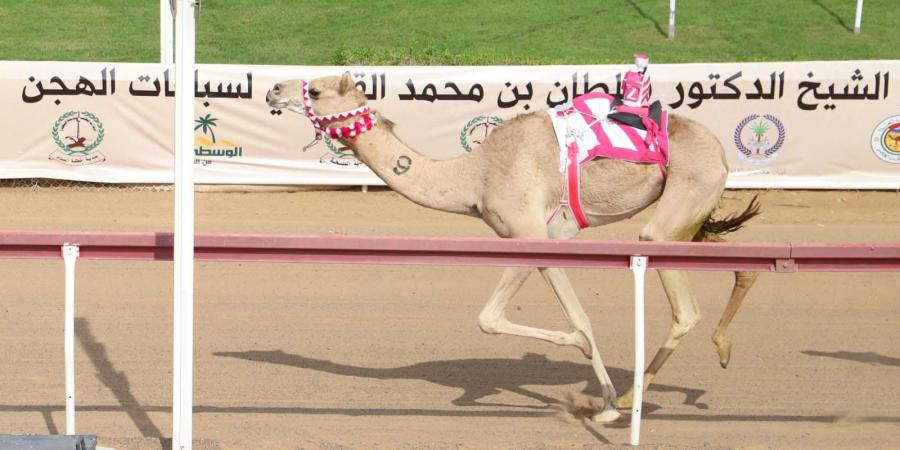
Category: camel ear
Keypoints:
(347, 84)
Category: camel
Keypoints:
(513, 183)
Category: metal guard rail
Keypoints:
(459, 251)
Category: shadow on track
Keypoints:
(863, 357)
(478, 378)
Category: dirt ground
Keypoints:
(391, 357)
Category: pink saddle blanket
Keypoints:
(584, 130)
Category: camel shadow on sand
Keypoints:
(479, 378)
(871, 358)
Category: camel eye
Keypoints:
(314, 93)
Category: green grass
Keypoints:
(455, 32)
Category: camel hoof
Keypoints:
(625, 401)
(607, 416)
(724, 350)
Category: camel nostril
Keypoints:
(314, 93)
(277, 88)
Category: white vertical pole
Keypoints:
(166, 31)
(183, 349)
(638, 268)
(671, 19)
(858, 22)
(70, 255)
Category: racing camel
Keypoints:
(513, 183)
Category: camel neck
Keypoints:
(451, 185)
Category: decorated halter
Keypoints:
(366, 122)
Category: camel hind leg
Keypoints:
(683, 208)
(711, 231)
(743, 281)
(685, 312)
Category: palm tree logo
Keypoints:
(759, 130)
(755, 138)
(205, 124)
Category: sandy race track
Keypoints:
(333, 357)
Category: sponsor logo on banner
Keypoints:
(886, 140)
(77, 135)
(207, 145)
(339, 156)
(758, 138)
(477, 130)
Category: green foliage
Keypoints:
(427, 54)
(760, 128)
(461, 32)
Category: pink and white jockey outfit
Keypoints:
(599, 125)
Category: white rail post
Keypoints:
(858, 22)
(183, 324)
(70, 255)
(166, 31)
(672, 19)
(639, 269)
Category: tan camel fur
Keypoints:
(513, 183)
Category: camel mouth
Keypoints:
(275, 101)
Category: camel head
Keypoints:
(333, 104)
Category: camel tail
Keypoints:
(713, 228)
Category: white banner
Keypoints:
(783, 125)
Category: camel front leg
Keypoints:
(743, 281)
(492, 318)
(685, 314)
(559, 282)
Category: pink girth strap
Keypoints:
(573, 189)
(573, 180)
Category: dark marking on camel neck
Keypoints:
(403, 165)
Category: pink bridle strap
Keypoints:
(320, 123)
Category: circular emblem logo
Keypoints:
(886, 140)
(77, 135)
(477, 130)
(758, 138)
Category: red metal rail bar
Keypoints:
(460, 251)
